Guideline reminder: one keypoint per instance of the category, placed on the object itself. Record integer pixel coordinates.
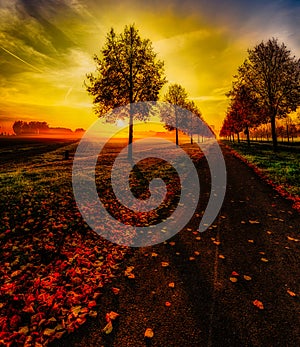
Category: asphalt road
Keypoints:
(255, 235)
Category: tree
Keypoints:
(272, 75)
(128, 71)
(293, 131)
(17, 127)
(176, 95)
(242, 109)
(191, 126)
(225, 129)
(31, 128)
(280, 131)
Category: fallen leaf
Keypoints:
(49, 332)
(128, 272)
(251, 241)
(198, 238)
(265, 260)
(154, 255)
(258, 304)
(172, 243)
(234, 273)
(112, 315)
(247, 278)
(291, 293)
(233, 279)
(171, 284)
(92, 304)
(269, 232)
(24, 330)
(192, 258)
(129, 269)
(221, 256)
(149, 333)
(217, 243)
(168, 304)
(81, 320)
(164, 264)
(108, 328)
(254, 221)
(292, 239)
(75, 310)
(197, 253)
(115, 290)
(93, 314)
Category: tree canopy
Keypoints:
(128, 72)
(176, 95)
(272, 77)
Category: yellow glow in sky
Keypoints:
(46, 50)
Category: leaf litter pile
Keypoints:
(53, 267)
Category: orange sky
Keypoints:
(46, 50)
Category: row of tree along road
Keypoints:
(265, 89)
(127, 72)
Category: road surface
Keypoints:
(249, 257)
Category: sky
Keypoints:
(47, 48)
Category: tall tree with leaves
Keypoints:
(193, 127)
(273, 76)
(128, 72)
(176, 95)
(243, 109)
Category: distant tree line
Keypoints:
(265, 90)
(287, 130)
(29, 128)
(22, 128)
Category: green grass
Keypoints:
(43, 242)
(282, 167)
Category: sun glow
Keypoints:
(46, 52)
(120, 123)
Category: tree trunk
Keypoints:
(191, 129)
(248, 135)
(287, 133)
(238, 137)
(274, 136)
(130, 134)
(176, 129)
